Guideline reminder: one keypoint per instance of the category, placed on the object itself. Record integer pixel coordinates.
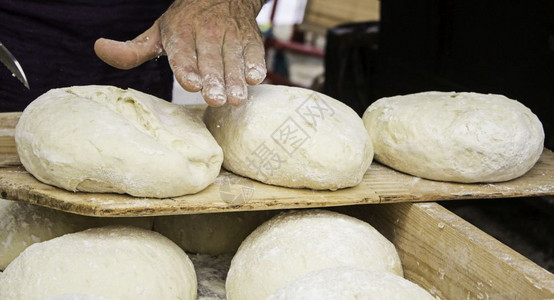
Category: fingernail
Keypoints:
(237, 92)
(216, 94)
(256, 74)
(193, 79)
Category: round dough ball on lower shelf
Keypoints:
(298, 242)
(213, 233)
(119, 262)
(23, 224)
(460, 137)
(347, 283)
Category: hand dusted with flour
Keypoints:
(105, 139)
(214, 46)
(292, 137)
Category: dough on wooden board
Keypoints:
(105, 139)
(298, 242)
(213, 233)
(350, 283)
(292, 137)
(461, 137)
(23, 224)
(115, 262)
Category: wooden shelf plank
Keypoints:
(231, 192)
(453, 259)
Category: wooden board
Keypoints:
(393, 186)
(453, 259)
(235, 193)
(8, 153)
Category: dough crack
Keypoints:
(138, 115)
(125, 105)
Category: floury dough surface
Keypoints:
(114, 262)
(460, 137)
(210, 272)
(295, 243)
(105, 139)
(23, 224)
(350, 283)
(292, 137)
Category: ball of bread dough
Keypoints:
(119, 262)
(298, 242)
(461, 137)
(105, 139)
(292, 137)
(23, 224)
(214, 233)
(350, 283)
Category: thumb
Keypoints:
(129, 54)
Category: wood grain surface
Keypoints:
(231, 192)
(453, 259)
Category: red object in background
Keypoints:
(295, 44)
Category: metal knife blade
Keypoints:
(13, 65)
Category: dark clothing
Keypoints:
(53, 41)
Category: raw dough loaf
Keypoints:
(214, 233)
(105, 139)
(461, 137)
(23, 224)
(115, 262)
(348, 283)
(292, 137)
(295, 243)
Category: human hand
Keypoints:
(212, 45)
